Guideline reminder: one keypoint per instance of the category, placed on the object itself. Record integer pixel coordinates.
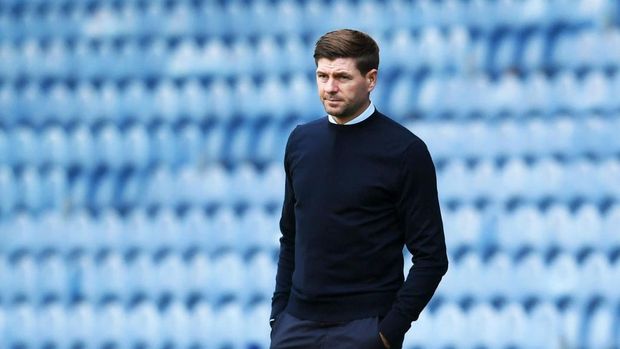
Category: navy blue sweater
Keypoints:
(355, 195)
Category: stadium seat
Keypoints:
(112, 277)
(228, 278)
(52, 329)
(601, 327)
(166, 231)
(260, 274)
(563, 277)
(175, 321)
(175, 283)
(559, 225)
(199, 275)
(22, 329)
(144, 326)
(136, 148)
(202, 325)
(239, 148)
(228, 329)
(594, 273)
(225, 234)
(470, 275)
(9, 198)
(452, 321)
(110, 322)
(529, 277)
(53, 279)
(217, 185)
(610, 240)
(143, 280)
(522, 228)
(54, 197)
(544, 326)
(257, 328)
(257, 230)
(481, 314)
(136, 102)
(31, 186)
(513, 326)
(245, 185)
(498, 270)
(167, 100)
(195, 106)
(160, 189)
(304, 98)
(401, 103)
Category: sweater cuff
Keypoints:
(277, 306)
(393, 327)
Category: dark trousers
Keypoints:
(290, 332)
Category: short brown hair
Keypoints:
(348, 43)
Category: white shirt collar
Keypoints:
(363, 116)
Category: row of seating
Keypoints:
(545, 179)
(528, 227)
(232, 326)
(230, 275)
(143, 325)
(224, 230)
(457, 50)
(143, 145)
(463, 95)
(532, 277)
(59, 188)
(95, 279)
(306, 17)
(278, 98)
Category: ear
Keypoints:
(371, 79)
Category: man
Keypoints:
(359, 187)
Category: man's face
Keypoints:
(343, 90)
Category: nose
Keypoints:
(331, 86)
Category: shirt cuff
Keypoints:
(393, 327)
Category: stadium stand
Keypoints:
(141, 145)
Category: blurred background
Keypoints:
(141, 177)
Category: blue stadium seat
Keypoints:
(245, 95)
(135, 102)
(175, 325)
(257, 328)
(514, 178)
(199, 269)
(5, 277)
(189, 189)
(539, 98)
(25, 147)
(274, 98)
(565, 92)
(297, 55)
(470, 275)
(241, 143)
(481, 314)
(22, 329)
(513, 326)
(111, 277)
(175, 283)
(453, 321)
(522, 228)
(229, 326)
(266, 141)
(225, 233)
(144, 326)
(257, 230)
(168, 235)
(159, 190)
(9, 197)
(82, 147)
(544, 326)
(24, 279)
(239, 17)
(563, 277)
(53, 278)
(195, 105)
(484, 180)
(109, 145)
(594, 273)
(401, 103)
(530, 276)
(304, 97)
(228, 277)
(54, 146)
(610, 238)
(167, 100)
(243, 56)
(143, 280)
(602, 327)
(245, 187)
(110, 322)
(8, 54)
(217, 185)
(60, 105)
(596, 92)
(195, 225)
(453, 181)
(260, 272)
(81, 321)
(31, 186)
(189, 145)
(269, 59)
(52, 325)
(499, 270)
(272, 184)
(136, 148)
(56, 192)
(468, 222)
(202, 325)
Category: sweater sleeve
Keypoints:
(420, 216)
(286, 260)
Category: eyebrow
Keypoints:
(336, 73)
